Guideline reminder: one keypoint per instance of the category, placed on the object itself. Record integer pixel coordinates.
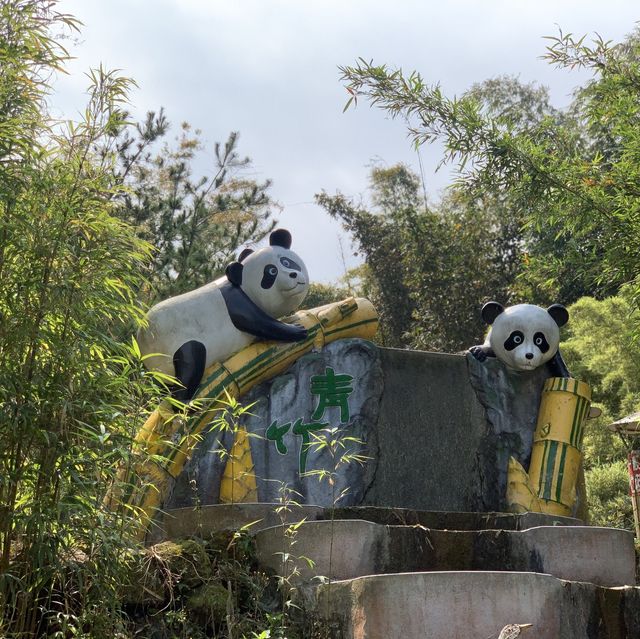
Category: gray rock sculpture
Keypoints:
(437, 431)
(281, 411)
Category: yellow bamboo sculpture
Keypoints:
(550, 485)
(168, 439)
(238, 484)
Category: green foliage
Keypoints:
(428, 270)
(601, 350)
(70, 396)
(577, 191)
(29, 56)
(195, 223)
(197, 588)
(608, 495)
(601, 446)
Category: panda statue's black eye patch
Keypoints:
(541, 342)
(514, 340)
(287, 262)
(269, 275)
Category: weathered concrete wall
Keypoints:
(426, 442)
(347, 549)
(438, 430)
(469, 605)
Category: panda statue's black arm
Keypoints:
(246, 316)
(557, 367)
(481, 352)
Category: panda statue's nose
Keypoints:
(293, 275)
(529, 355)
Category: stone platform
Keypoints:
(346, 549)
(436, 431)
(473, 605)
(203, 520)
(391, 572)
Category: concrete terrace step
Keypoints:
(450, 520)
(190, 521)
(178, 523)
(476, 605)
(347, 549)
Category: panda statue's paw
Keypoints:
(301, 332)
(479, 352)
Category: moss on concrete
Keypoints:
(209, 603)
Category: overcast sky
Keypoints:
(268, 69)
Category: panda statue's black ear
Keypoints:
(490, 311)
(234, 273)
(559, 313)
(245, 253)
(280, 237)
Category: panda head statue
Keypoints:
(524, 336)
(274, 277)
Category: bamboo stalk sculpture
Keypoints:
(550, 485)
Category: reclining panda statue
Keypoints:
(187, 333)
(524, 337)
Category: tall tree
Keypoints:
(429, 270)
(196, 224)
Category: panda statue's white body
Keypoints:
(199, 315)
(524, 336)
(188, 333)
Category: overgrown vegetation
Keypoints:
(73, 268)
(198, 588)
(70, 270)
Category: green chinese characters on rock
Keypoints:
(276, 434)
(333, 390)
